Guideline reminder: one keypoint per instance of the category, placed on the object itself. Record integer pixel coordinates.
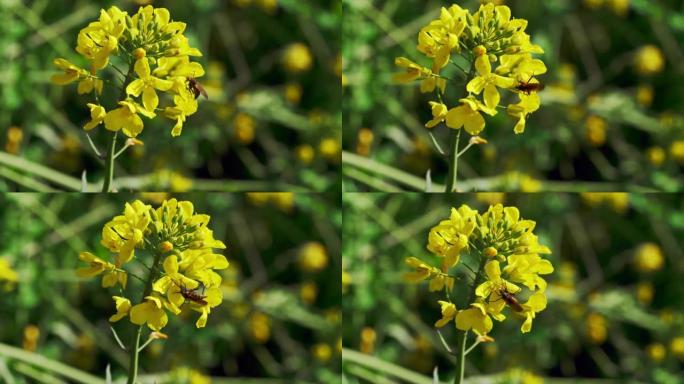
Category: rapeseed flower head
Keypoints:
(159, 61)
(183, 273)
(510, 266)
(487, 37)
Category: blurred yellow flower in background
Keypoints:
(330, 149)
(655, 156)
(6, 271)
(15, 135)
(677, 151)
(368, 338)
(596, 130)
(656, 352)
(297, 58)
(677, 347)
(259, 326)
(649, 258)
(644, 95)
(322, 352)
(645, 292)
(308, 292)
(244, 128)
(649, 60)
(313, 257)
(596, 328)
(305, 153)
(31, 336)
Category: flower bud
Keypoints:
(479, 50)
(477, 140)
(166, 246)
(196, 244)
(131, 142)
(490, 252)
(139, 53)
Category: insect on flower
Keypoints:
(527, 87)
(510, 299)
(196, 88)
(191, 295)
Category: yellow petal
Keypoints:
(483, 66)
(135, 87)
(491, 96)
(476, 85)
(64, 78)
(142, 68)
(474, 124)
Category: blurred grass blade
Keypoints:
(41, 171)
(49, 365)
(384, 367)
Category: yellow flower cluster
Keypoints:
(508, 254)
(157, 56)
(182, 274)
(487, 38)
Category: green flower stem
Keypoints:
(454, 141)
(109, 163)
(462, 336)
(453, 161)
(135, 345)
(111, 147)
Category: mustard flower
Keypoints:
(126, 118)
(150, 312)
(488, 81)
(498, 56)
(97, 116)
(187, 271)
(159, 63)
(448, 313)
(508, 253)
(112, 275)
(124, 233)
(414, 71)
(439, 114)
(123, 307)
(423, 271)
(475, 318)
(147, 84)
(468, 116)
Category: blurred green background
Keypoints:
(272, 121)
(615, 299)
(280, 317)
(611, 115)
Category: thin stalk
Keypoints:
(109, 163)
(454, 153)
(462, 336)
(111, 147)
(135, 345)
(452, 178)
